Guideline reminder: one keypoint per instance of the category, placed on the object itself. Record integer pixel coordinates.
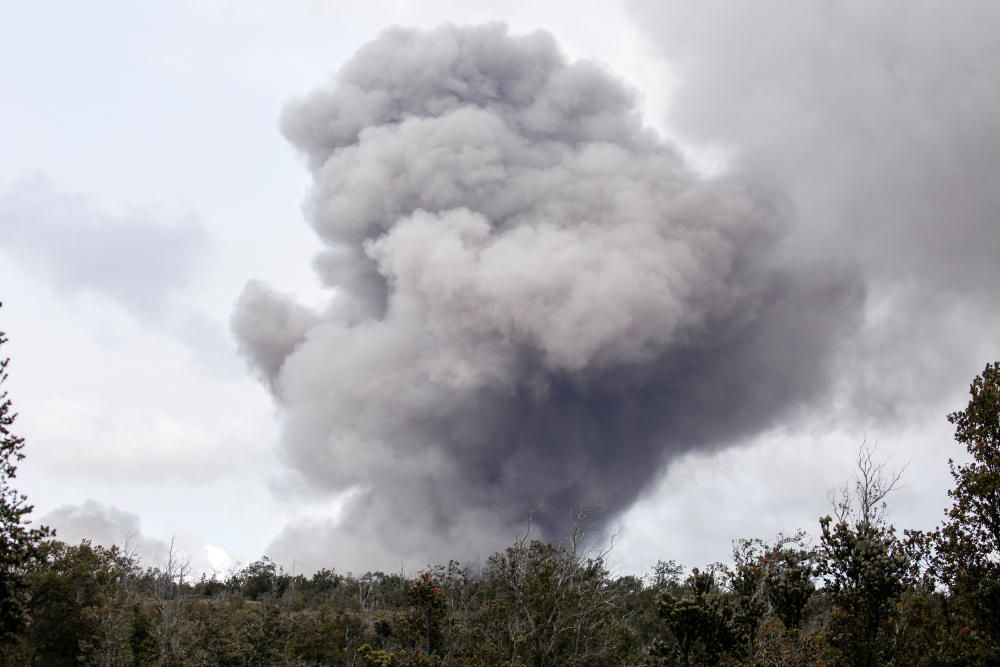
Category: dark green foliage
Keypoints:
(142, 638)
(789, 569)
(969, 541)
(699, 619)
(323, 637)
(18, 541)
(769, 582)
(209, 588)
(262, 632)
(73, 602)
(865, 567)
(259, 579)
(865, 570)
(211, 635)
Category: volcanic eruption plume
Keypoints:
(533, 301)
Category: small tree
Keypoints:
(699, 619)
(428, 614)
(18, 541)
(774, 578)
(864, 565)
(548, 604)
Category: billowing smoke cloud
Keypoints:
(880, 121)
(534, 302)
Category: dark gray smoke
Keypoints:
(534, 302)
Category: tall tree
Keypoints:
(18, 540)
(969, 547)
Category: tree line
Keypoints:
(864, 594)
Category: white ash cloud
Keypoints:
(533, 300)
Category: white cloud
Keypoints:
(128, 257)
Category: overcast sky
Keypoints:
(145, 180)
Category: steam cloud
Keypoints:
(534, 302)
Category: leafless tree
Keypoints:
(168, 591)
(865, 504)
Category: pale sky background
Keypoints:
(150, 131)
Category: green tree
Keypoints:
(773, 584)
(789, 567)
(969, 541)
(261, 579)
(865, 567)
(73, 592)
(429, 613)
(699, 620)
(18, 540)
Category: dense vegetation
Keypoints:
(18, 541)
(865, 594)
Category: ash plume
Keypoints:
(533, 301)
(879, 120)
